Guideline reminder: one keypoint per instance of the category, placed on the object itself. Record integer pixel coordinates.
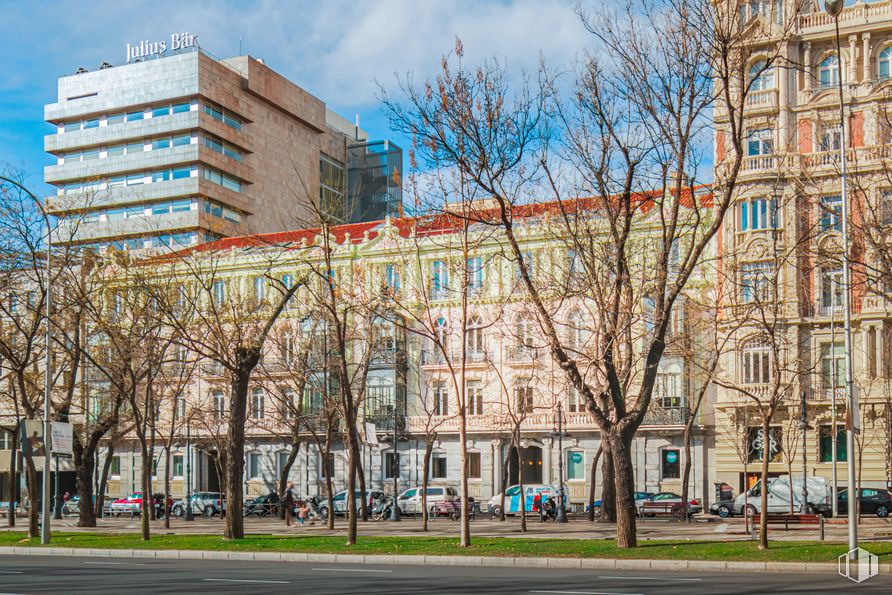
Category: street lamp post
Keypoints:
(395, 509)
(189, 516)
(57, 498)
(561, 513)
(803, 427)
(834, 8)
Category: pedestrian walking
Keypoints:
(288, 503)
(302, 513)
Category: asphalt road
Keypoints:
(47, 574)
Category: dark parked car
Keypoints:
(872, 501)
(722, 508)
(262, 505)
(640, 497)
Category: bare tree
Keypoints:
(225, 318)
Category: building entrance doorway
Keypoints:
(531, 458)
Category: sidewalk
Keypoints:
(484, 561)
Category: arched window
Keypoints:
(884, 65)
(828, 71)
(755, 365)
(475, 343)
(761, 77)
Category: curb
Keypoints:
(485, 561)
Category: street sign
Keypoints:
(62, 439)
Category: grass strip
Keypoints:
(779, 551)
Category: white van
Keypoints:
(410, 500)
(779, 495)
(533, 494)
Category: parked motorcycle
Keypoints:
(382, 508)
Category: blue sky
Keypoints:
(338, 50)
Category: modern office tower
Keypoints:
(176, 148)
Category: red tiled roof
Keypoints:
(431, 225)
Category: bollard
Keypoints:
(821, 531)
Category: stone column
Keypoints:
(548, 462)
(867, 65)
(853, 60)
(806, 65)
(785, 137)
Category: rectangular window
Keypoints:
(90, 155)
(760, 142)
(438, 466)
(135, 148)
(259, 288)
(756, 282)
(831, 213)
(134, 116)
(831, 138)
(180, 108)
(181, 141)
(115, 151)
(831, 290)
(91, 123)
(177, 466)
(670, 464)
(666, 389)
(756, 365)
(327, 465)
(161, 176)
(115, 467)
(114, 119)
(218, 402)
(441, 399)
(475, 273)
(523, 397)
(161, 143)
(161, 111)
(439, 279)
(181, 206)
(575, 464)
(181, 173)
(5, 439)
(219, 291)
(474, 398)
(136, 179)
(528, 261)
(391, 465)
(474, 471)
(257, 405)
(392, 277)
(758, 213)
(574, 401)
(826, 443)
(833, 367)
(254, 467)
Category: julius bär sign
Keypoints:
(145, 49)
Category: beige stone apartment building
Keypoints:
(782, 246)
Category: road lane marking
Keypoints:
(11, 571)
(588, 592)
(243, 580)
(115, 563)
(350, 570)
(651, 578)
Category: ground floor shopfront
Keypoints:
(657, 457)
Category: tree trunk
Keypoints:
(84, 463)
(463, 461)
(329, 487)
(790, 475)
(426, 471)
(521, 495)
(235, 449)
(360, 474)
(505, 462)
(284, 472)
(150, 487)
(593, 473)
(103, 480)
(686, 467)
(13, 480)
(145, 486)
(608, 481)
(351, 493)
(33, 504)
(763, 507)
(621, 452)
(166, 486)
